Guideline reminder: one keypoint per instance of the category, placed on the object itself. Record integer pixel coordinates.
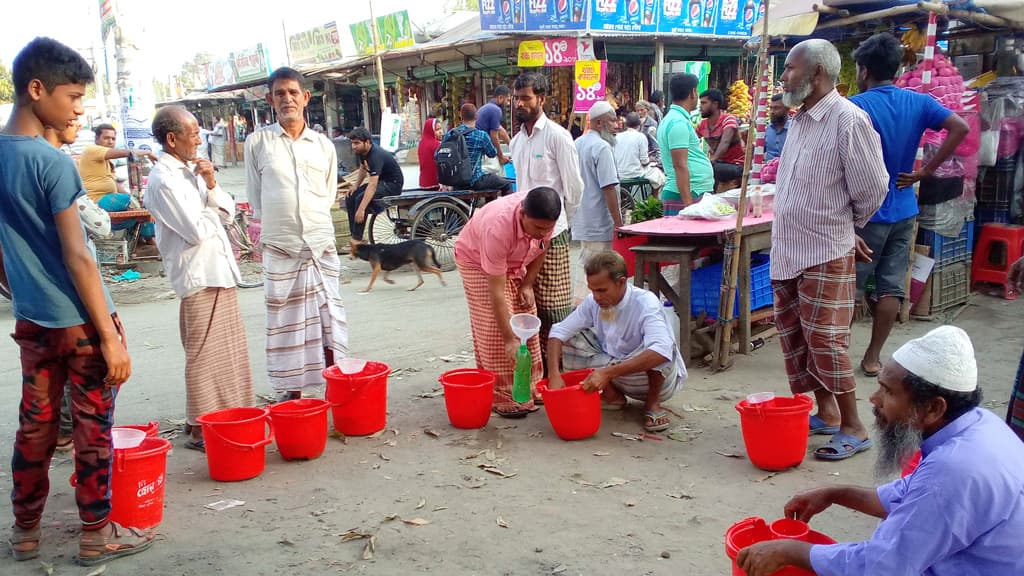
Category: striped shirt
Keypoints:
(478, 145)
(831, 179)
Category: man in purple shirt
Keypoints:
(489, 116)
(960, 513)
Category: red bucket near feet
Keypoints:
(468, 396)
(359, 402)
(236, 440)
(300, 428)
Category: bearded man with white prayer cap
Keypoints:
(961, 512)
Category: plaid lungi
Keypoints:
(1015, 411)
(217, 372)
(553, 289)
(813, 313)
(305, 315)
(488, 345)
(579, 274)
(583, 351)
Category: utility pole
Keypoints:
(287, 46)
(376, 51)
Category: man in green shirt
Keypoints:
(688, 171)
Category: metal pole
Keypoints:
(658, 82)
(376, 52)
(287, 46)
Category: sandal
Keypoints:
(197, 445)
(25, 542)
(843, 446)
(65, 443)
(98, 546)
(656, 421)
(514, 414)
(818, 426)
(868, 373)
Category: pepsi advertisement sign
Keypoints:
(694, 17)
(624, 15)
(735, 17)
(503, 15)
(555, 15)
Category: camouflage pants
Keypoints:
(51, 357)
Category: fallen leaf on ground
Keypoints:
(679, 495)
(495, 470)
(318, 513)
(729, 454)
(390, 517)
(430, 432)
(370, 548)
(285, 542)
(354, 534)
(391, 443)
(559, 569)
(625, 436)
(384, 458)
(602, 453)
(432, 394)
(630, 503)
(693, 408)
(375, 435)
(683, 434)
(220, 505)
(396, 431)
(416, 522)
(768, 476)
(439, 508)
(423, 502)
(338, 435)
(47, 567)
(537, 434)
(506, 427)
(489, 454)
(833, 473)
(502, 523)
(612, 482)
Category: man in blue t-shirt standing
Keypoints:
(66, 327)
(489, 116)
(900, 117)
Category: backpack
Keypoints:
(453, 166)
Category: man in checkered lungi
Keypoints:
(543, 154)
(831, 178)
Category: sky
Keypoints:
(170, 33)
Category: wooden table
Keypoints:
(672, 239)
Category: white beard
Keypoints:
(796, 98)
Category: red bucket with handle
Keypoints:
(359, 402)
(236, 441)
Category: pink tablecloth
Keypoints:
(675, 226)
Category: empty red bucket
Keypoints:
(573, 413)
(236, 439)
(468, 395)
(137, 484)
(775, 432)
(750, 531)
(359, 402)
(300, 428)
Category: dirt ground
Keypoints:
(605, 505)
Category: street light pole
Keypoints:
(376, 52)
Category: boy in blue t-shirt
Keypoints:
(900, 117)
(65, 322)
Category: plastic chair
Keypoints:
(998, 248)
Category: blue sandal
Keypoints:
(843, 445)
(818, 426)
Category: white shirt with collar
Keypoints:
(190, 231)
(548, 157)
(292, 185)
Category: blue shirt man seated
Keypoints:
(478, 144)
(961, 512)
(621, 332)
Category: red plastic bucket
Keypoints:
(300, 428)
(468, 396)
(152, 430)
(235, 441)
(911, 464)
(359, 402)
(775, 432)
(573, 413)
(137, 484)
(750, 531)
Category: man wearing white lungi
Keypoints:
(621, 332)
(190, 210)
(291, 180)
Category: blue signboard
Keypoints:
(503, 15)
(555, 15)
(695, 17)
(624, 15)
(735, 17)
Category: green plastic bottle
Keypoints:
(524, 371)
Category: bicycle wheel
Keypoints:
(381, 229)
(251, 271)
(439, 225)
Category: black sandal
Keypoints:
(197, 445)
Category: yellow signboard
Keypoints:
(588, 73)
(531, 54)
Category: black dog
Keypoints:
(388, 257)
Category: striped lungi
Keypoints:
(579, 275)
(305, 316)
(553, 289)
(488, 343)
(813, 313)
(1015, 412)
(217, 371)
(583, 351)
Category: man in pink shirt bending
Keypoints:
(499, 254)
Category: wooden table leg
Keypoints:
(683, 306)
(639, 270)
(744, 291)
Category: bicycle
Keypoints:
(244, 248)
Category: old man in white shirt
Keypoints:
(291, 176)
(620, 331)
(190, 210)
(632, 154)
(543, 154)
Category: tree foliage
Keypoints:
(6, 85)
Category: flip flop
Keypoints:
(844, 446)
(818, 426)
(197, 445)
(868, 373)
(654, 418)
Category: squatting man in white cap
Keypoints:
(961, 512)
(598, 215)
(621, 332)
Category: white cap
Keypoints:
(601, 108)
(943, 357)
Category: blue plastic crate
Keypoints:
(984, 215)
(946, 249)
(706, 286)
